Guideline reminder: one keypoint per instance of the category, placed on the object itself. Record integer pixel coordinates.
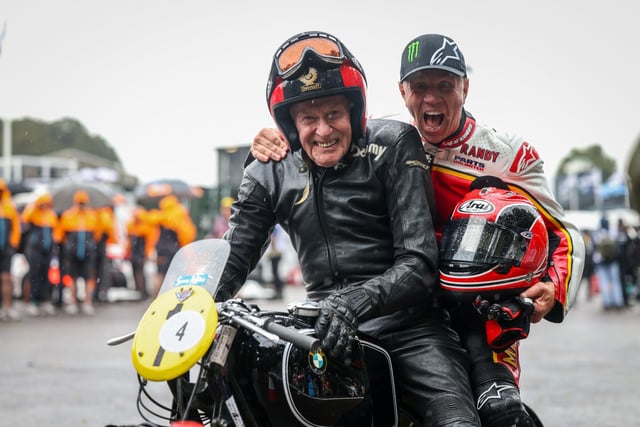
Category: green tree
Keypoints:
(581, 163)
(35, 137)
(592, 157)
(633, 172)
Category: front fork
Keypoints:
(182, 407)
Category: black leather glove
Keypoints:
(336, 326)
(505, 322)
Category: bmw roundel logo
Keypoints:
(476, 206)
(317, 361)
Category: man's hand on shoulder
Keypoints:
(269, 144)
(543, 296)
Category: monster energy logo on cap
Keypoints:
(412, 50)
(432, 51)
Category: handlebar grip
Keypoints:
(292, 335)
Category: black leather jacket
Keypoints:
(365, 222)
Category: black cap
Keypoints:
(432, 51)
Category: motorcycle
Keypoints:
(232, 364)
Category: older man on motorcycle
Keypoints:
(353, 197)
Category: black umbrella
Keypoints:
(100, 194)
(19, 187)
(155, 190)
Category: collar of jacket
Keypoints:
(465, 131)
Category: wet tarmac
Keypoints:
(58, 371)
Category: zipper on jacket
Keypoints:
(318, 179)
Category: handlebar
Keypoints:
(293, 336)
(239, 314)
(121, 339)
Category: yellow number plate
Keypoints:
(174, 333)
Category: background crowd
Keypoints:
(612, 264)
(67, 250)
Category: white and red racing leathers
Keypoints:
(477, 150)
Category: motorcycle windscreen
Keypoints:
(199, 263)
(179, 325)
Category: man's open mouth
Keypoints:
(433, 119)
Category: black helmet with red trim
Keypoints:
(495, 244)
(311, 65)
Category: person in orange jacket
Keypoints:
(175, 229)
(40, 220)
(108, 235)
(10, 233)
(140, 245)
(77, 233)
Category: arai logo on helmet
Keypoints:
(476, 206)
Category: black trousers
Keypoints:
(485, 366)
(430, 365)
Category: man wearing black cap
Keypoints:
(434, 86)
